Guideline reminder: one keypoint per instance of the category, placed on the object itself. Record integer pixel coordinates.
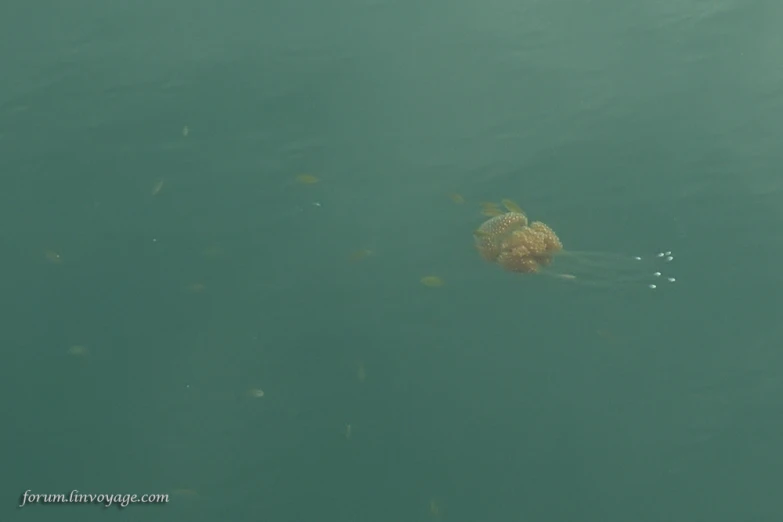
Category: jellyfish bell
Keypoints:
(494, 232)
(508, 240)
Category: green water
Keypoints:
(630, 128)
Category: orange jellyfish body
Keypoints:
(508, 240)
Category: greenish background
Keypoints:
(629, 127)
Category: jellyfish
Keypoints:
(533, 248)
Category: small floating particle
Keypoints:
(53, 257)
(195, 288)
(490, 209)
(306, 179)
(358, 255)
(157, 187)
(255, 393)
(78, 351)
(432, 281)
(435, 508)
(511, 206)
